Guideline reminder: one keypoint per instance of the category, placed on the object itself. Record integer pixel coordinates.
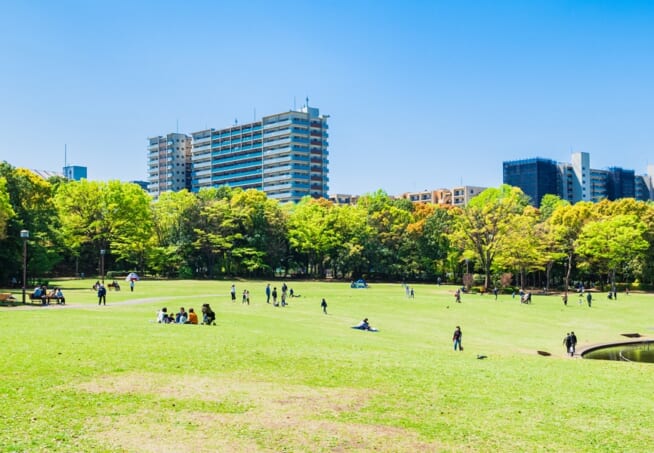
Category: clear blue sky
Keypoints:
(421, 95)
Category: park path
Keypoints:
(146, 300)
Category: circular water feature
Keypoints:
(641, 351)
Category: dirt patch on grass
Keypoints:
(269, 417)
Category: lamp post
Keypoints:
(24, 234)
(102, 252)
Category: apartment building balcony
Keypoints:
(225, 159)
(276, 133)
(232, 181)
(237, 168)
(273, 152)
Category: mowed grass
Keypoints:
(89, 378)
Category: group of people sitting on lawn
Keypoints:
(187, 317)
(41, 292)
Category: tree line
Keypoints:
(498, 239)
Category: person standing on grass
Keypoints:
(565, 298)
(456, 339)
(567, 341)
(102, 295)
(232, 291)
(274, 296)
(323, 304)
(573, 344)
(589, 298)
(268, 293)
(131, 285)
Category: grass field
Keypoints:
(87, 378)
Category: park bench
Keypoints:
(47, 299)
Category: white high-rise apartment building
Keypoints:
(169, 163)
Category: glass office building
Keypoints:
(536, 177)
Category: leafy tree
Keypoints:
(30, 197)
(611, 242)
(483, 226)
(389, 248)
(311, 235)
(215, 232)
(172, 214)
(565, 225)
(6, 211)
(262, 223)
(353, 232)
(429, 232)
(524, 249)
(113, 216)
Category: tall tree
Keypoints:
(483, 225)
(6, 211)
(111, 216)
(611, 242)
(173, 214)
(565, 225)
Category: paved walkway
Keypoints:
(146, 300)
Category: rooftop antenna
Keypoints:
(307, 104)
(235, 121)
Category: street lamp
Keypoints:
(24, 234)
(102, 252)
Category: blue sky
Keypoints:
(421, 95)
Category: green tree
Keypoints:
(564, 226)
(173, 214)
(30, 197)
(111, 216)
(311, 235)
(612, 242)
(6, 211)
(483, 226)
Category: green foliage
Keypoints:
(233, 232)
(6, 211)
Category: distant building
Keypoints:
(456, 196)
(169, 163)
(575, 181)
(142, 184)
(46, 174)
(536, 177)
(284, 155)
(75, 172)
(438, 196)
(462, 195)
(341, 198)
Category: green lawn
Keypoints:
(89, 378)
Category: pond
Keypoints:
(628, 352)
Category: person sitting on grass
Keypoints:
(181, 317)
(192, 317)
(208, 316)
(365, 325)
(162, 316)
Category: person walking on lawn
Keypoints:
(456, 338)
